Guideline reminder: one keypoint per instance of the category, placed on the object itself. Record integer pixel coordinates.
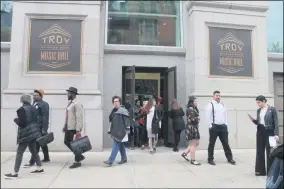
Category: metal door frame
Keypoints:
(166, 103)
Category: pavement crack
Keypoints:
(53, 180)
(133, 174)
(7, 159)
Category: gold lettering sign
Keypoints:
(231, 54)
(55, 47)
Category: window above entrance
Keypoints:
(154, 23)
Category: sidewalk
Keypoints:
(165, 169)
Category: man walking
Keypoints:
(73, 123)
(119, 129)
(216, 116)
(42, 108)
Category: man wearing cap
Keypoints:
(43, 120)
(73, 123)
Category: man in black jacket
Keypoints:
(43, 120)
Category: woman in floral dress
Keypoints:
(192, 132)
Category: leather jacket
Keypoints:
(270, 119)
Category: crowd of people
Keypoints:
(146, 121)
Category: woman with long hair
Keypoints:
(176, 114)
(152, 122)
(192, 132)
(267, 131)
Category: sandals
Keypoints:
(194, 162)
(184, 155)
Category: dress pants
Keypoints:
(143, 139)
(69, 135)
(177, 138)
(262, 144)
(220, 131)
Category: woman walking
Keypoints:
(192, 132)
(28, 132)
(267, 130)
(176, 114)
(152, 121)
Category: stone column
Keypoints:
(55, 83)
(238, 93)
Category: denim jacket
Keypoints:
(270, 119)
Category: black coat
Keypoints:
(28, 129)
(177, 117)
(120, 123)
(43, 114)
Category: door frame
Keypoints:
(166, 103)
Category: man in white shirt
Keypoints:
(216, 116)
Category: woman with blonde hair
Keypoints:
(176, 114)
(152, 121)
(192, 132)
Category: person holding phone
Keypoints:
(267, 126)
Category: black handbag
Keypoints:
(46, 139)
(81, 145)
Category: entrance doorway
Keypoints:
(140, 83)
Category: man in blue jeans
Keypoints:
(119, 129)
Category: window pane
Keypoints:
(275, 27)
(144, 23)
(6, 20)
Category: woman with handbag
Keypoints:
(28, 132)
(176, 114)
(267, 127)
(152, 121)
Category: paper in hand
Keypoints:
(272, 141)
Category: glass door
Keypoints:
(170, 87)
(129, 98)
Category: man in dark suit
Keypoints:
(43, 120)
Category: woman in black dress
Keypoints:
(176, 114)
(191, 132)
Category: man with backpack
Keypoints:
(216, 116)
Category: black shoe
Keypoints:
(184, 155)
(122, 162)
(260, 174)
(82, 157)
(28, 165)
(175, 149)
(38, 171)
(194, 162)
(155, 150)
(75, 165)
(211, 162)
(109, 164)
(232, 162)
(11, 176)
(45, 160)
